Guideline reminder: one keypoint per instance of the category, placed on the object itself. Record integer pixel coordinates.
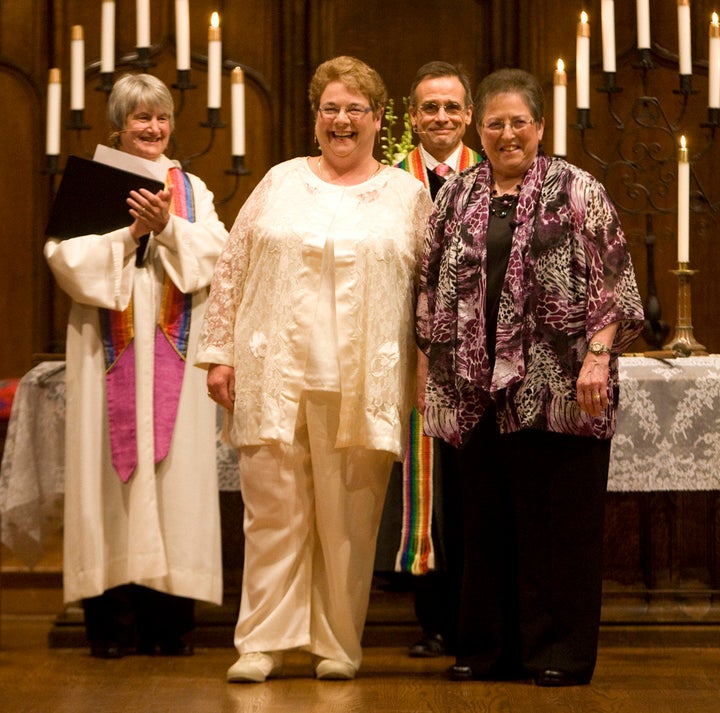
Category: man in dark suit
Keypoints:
(440, 109)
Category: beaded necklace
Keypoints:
(501, 206)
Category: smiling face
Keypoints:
(146, 133)
(342, 137)
(440, 115)
(512, 148)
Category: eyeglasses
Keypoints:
(516, 125)
(353, 111)
(433, 108)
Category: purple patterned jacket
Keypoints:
(569, 275)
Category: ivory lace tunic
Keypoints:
(263, 300)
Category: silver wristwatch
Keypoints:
(596, 348)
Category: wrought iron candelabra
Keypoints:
(143, 59)
(639, 177)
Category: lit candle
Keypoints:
(142, 28)
(714, 64)
(683, 8)
(608, 35)
(107, 37)
(643, 24)
(214, 62)
(683, 203)
(582, 62)
(52, 130)
(560, 110)
(182, 34)
(77, 68)
(237, 84)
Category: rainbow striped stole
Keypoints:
(171, 343)
(175, 307)
(413, 163)
(416, 553)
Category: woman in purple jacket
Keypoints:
(528, 296)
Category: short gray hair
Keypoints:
(133, 90)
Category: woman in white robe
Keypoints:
(141, 543)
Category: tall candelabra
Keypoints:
(143, 58)
(639, 176)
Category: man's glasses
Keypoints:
(516, 125)
(433, 108)
(353, 111)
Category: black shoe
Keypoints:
(554, 677)
(460, 672)
(430, 646)
(176, 648)
(463, 672)
(106, 651)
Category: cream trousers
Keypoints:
(312, 513)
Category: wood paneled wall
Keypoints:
(279, 43)
(655, 543)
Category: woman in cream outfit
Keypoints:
(309, 340)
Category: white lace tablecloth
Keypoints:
(668, 438)
(32, 474)
(668, 433)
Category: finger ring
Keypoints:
(596, 397)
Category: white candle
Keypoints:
(683, 9)
(182, 34)
(237, 84)
(142, 27)
(214, 62)
(683, 203)
(608, 35)
(582, 62)
(714, 64)
(107, 37)
(643, 24)
(77, 68)
(560, 110)
(52, 130)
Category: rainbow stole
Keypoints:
(171, 343)
(413, 163)
(416, 553)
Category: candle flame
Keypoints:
(215, 20)
(583, 17)
(682, 142)
(560, 65)
(714, 18)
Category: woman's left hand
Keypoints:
(150, 210)
(592, 383)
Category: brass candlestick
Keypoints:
(683, 341)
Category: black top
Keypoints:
(498, 241)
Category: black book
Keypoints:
(92, 197)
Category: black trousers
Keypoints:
(138, 618)
(533, 516)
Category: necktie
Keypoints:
(443, 170)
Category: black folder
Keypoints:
(91, 198)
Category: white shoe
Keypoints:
(329, 669)
(255, 667)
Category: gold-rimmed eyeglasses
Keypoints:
(352, 111)
(517, 125)
(451, 108)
